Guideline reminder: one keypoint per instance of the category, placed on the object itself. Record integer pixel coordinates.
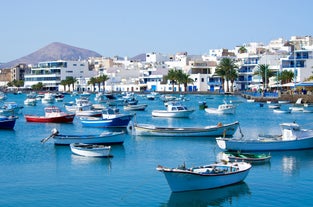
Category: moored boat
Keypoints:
(282, 111)
(207, 131)
(53, 114)
(108, 138)
(90, 150)
(174, 110)
(7, 122)
(253, 158)
(205, 177)
(293, 137)
(137, 107)
(110, 118)
(225, 108)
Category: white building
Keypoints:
(50, 73)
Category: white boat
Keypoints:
(137, 107)
(90, 150)
(225, 108)
(207, 131)
(283, 102)
(205, 177)
(293, 137)
(298, 106)
(103, 138)
(274, 106)
(175, 110)
(282, 111)
(308, 109)
(30, 102)
(250, 100)
(48, 98)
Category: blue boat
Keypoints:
(7, 122)
(110, 118)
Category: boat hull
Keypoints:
(121, 121)
(181, 180)
(217, 111)
(108, 138)
(88, 150)
(7, 123)
(172, 114)
(140, 107)
(41, 119)
(209, 131)
(244, 145)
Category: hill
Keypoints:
(53, 51)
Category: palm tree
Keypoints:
(98, 81)
(179, 78)
(70, 81)
(172, 76)
(223, 70)
(185, 79)
(242, 49)
(233, 75)
(286, 76)
(63, 83)
(103, 78)
(37, 87)
(92, 81)
(265, 73)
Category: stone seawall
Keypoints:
(283, 97)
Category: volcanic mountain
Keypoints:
(53, 51)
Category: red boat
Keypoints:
(53, 114)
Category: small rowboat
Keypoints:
(248, 157)
(205, 177)
(90, 150)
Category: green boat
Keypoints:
(248, 157)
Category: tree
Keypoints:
(286, 76)
(233, 75)
(179, 78)
(265, 73)
(63, 83)
(92, 81)
(242, 49)
(37, 87)
(70, 81)
(185, 79)
(224, 69)
(172, 76)
(103, 78)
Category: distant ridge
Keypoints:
(53, 51)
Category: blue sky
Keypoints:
(129, 28)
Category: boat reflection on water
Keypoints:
(293, 161)
(212, 197)
(81, 161)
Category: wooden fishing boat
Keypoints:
(225, 108)
(110, 118)
(137, 107)
(293, 137)
(53, 114)
(205, 177)
(174, 110)
(90, 150)
(7, 122)
(103, 138)
(207, 131)
(253, 158)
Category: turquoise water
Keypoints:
(35, 174)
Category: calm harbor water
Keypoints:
(35, 174)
